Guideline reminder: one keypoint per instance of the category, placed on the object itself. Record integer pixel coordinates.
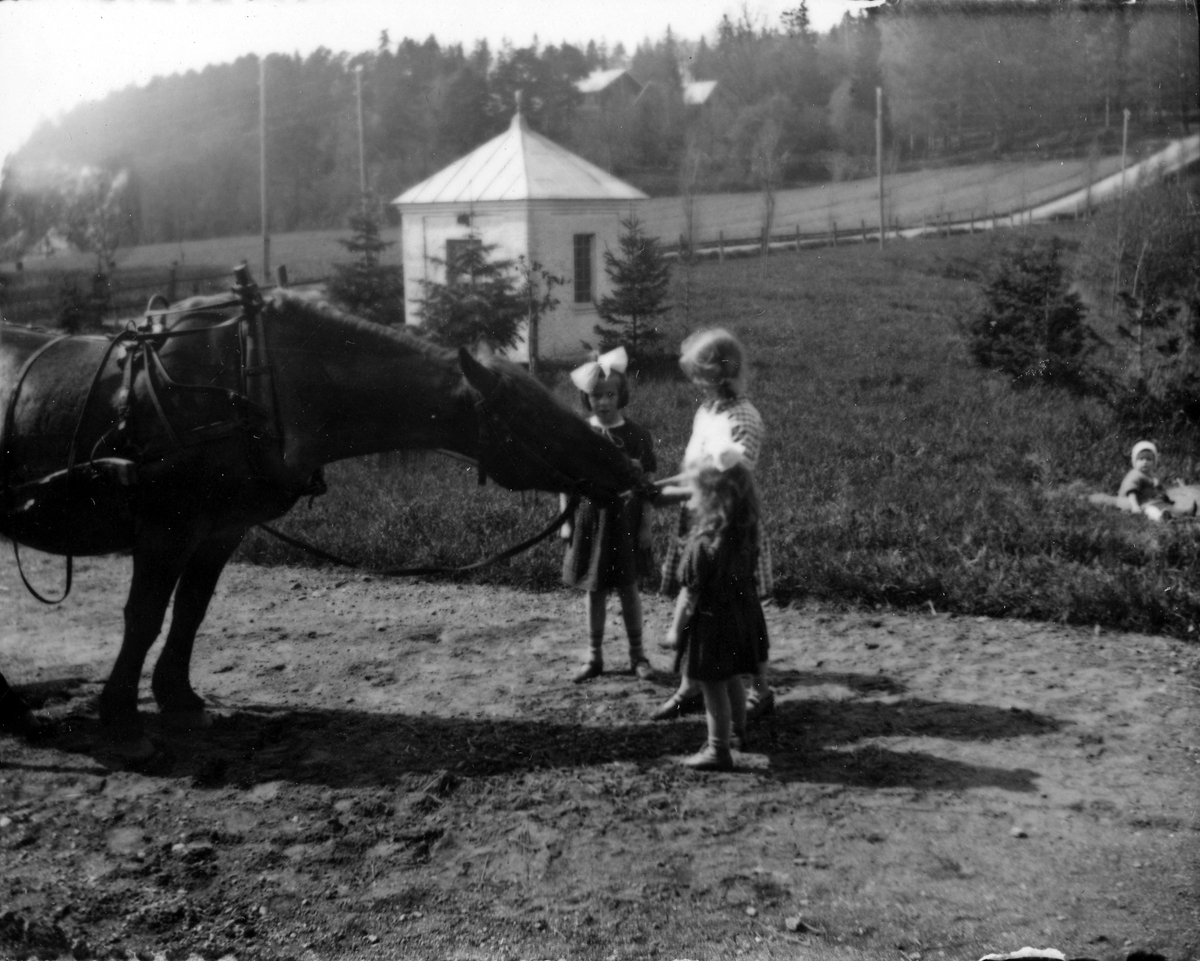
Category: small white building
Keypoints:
(529, 197)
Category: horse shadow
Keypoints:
(826, 741)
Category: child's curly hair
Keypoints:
(716, 357)
(727, 514)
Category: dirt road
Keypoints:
(403, 769)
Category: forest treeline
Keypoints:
(790, 106)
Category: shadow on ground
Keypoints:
(821, 741)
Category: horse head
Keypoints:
(528, 439)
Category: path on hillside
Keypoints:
(1012, 191)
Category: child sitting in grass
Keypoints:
(1141, 489)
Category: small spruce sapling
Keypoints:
(641, 278)
(366, 287)
(479, 301)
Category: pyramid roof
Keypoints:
(519, 165)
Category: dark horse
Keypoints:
(171, 441)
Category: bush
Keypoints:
(1142, 260)
(1031, 326)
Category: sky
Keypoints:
(56, 54)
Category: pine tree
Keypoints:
(479, 301)
(641, 277)
(367, 288)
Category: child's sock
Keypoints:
(595, 662)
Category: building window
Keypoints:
(456, 252)
(583, 267)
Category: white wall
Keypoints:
(542, 231)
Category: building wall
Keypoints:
(543, 232)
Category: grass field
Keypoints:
(896, 474)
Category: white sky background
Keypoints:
(56, 54)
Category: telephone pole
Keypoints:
(362, 162)
(262, 165)
(879, 157)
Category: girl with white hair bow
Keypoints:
(608, 546)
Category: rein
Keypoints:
(504, 555)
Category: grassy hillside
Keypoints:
(895, 475)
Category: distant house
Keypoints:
(529, 197)
(607, 90)
(699, 93)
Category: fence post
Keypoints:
(721, 245)
(797, 238)
(172, 280)
(835, 236)
(281, 276)
(864, 231)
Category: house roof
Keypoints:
(519, 165)
(599, 80)
(698, 91)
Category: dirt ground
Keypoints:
(404, 770)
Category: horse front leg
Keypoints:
(158, 561)
(180, 705)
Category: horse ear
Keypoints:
(478, 376)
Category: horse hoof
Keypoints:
(131, 748)
(186, 721)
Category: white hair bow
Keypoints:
(712, 443)
(587, 375)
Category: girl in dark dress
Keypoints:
(608, 547)
(718, 629)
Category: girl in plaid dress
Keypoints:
(715, 362)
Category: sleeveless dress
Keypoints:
(727, 633)
(603, 552)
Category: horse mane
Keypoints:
(314, 304)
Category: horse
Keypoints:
(170, 440)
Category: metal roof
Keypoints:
(599, 80)
(519, 165)
(698, 91)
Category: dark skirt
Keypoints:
(603, 553)
(724, 637)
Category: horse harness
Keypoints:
(255, 409)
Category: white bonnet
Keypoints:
(1143, 445)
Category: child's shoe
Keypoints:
(588, 671)
(759, 705)
(710, 758)
(678, 705)
(641, 667)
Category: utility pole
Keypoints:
(879, 157)
(1121, 203)
(262, 165)
(362, 162)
